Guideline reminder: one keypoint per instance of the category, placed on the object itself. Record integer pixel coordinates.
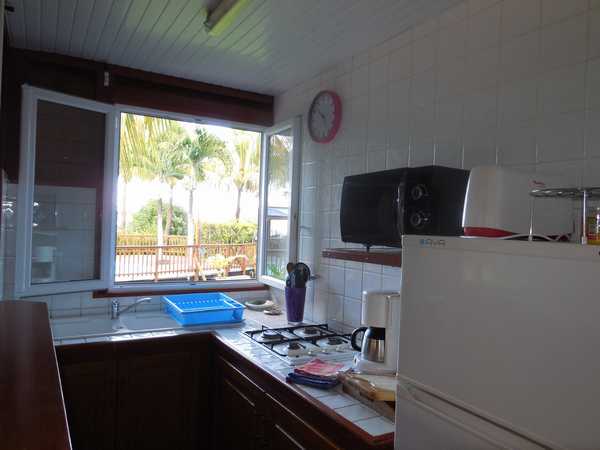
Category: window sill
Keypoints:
(145, 289)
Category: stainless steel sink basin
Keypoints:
(78, 327)
(135, 322)
(84, 326)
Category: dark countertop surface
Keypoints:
(32, 411)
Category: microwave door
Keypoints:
(427, 421)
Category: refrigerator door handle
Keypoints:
(470, 422)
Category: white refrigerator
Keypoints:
(499, 345)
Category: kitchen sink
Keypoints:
(79, 327)
(140, 322)
(84, 326)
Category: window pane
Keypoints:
(280, 149)
(187, 201)
(68, 192)
(277, 247)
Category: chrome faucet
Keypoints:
(116, 310)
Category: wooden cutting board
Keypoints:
(374, 387)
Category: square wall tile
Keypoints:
(400, 63)
(335, 308)
(483, 68)
(371, 281)
(563, 89)
(520, 17)
(592, 134)
(453, 41)
(352, 312)
(517, 101)
(565, 42)
(555, 10)
(423, 54)
(594, 43)
(353, 284)
(484, 28)
(560, 137)
(593, 84)
(517, 143)
(448, 152)
(521, 57)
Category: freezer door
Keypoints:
(424, 422)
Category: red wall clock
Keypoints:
(325, 116)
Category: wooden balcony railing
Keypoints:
(192, 262)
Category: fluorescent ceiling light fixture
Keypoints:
(221, 17)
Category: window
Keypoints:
(188, 197)
(66, 182)
(279, 216)
(129, 198)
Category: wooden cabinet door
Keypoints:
(159, 397)
(239, 410)
(88, 377)
(286, 431)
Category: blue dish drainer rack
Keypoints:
(203, 309)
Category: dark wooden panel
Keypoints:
(163, 386)
(32, 413)
(238, 410)
(286, 431)
(88, 375)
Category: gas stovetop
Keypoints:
(299, 344)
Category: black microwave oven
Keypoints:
(377, 208)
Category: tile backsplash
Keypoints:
(511, 82)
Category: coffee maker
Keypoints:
(378, 346)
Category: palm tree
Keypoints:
(242, 163)
(201, 152)
(164, 161)
(132, 146)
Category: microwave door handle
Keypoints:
(479, 426)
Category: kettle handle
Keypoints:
(353, 338)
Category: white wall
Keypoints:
(511, 82)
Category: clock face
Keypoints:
(324, 116)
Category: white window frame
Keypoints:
(24, 288)
(31, 97)
(296, 126)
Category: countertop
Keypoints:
(32, 413)
(345, 406)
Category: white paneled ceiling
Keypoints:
(273, 44)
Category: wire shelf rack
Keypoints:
(584, 193)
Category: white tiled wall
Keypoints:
(511, 82)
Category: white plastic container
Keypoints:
(498, 204)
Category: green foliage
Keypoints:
(229, 233)
(276, 271)
(144, 221)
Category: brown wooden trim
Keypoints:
(105, 293)
(385, 257)
(32, 414)
(198, 86)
